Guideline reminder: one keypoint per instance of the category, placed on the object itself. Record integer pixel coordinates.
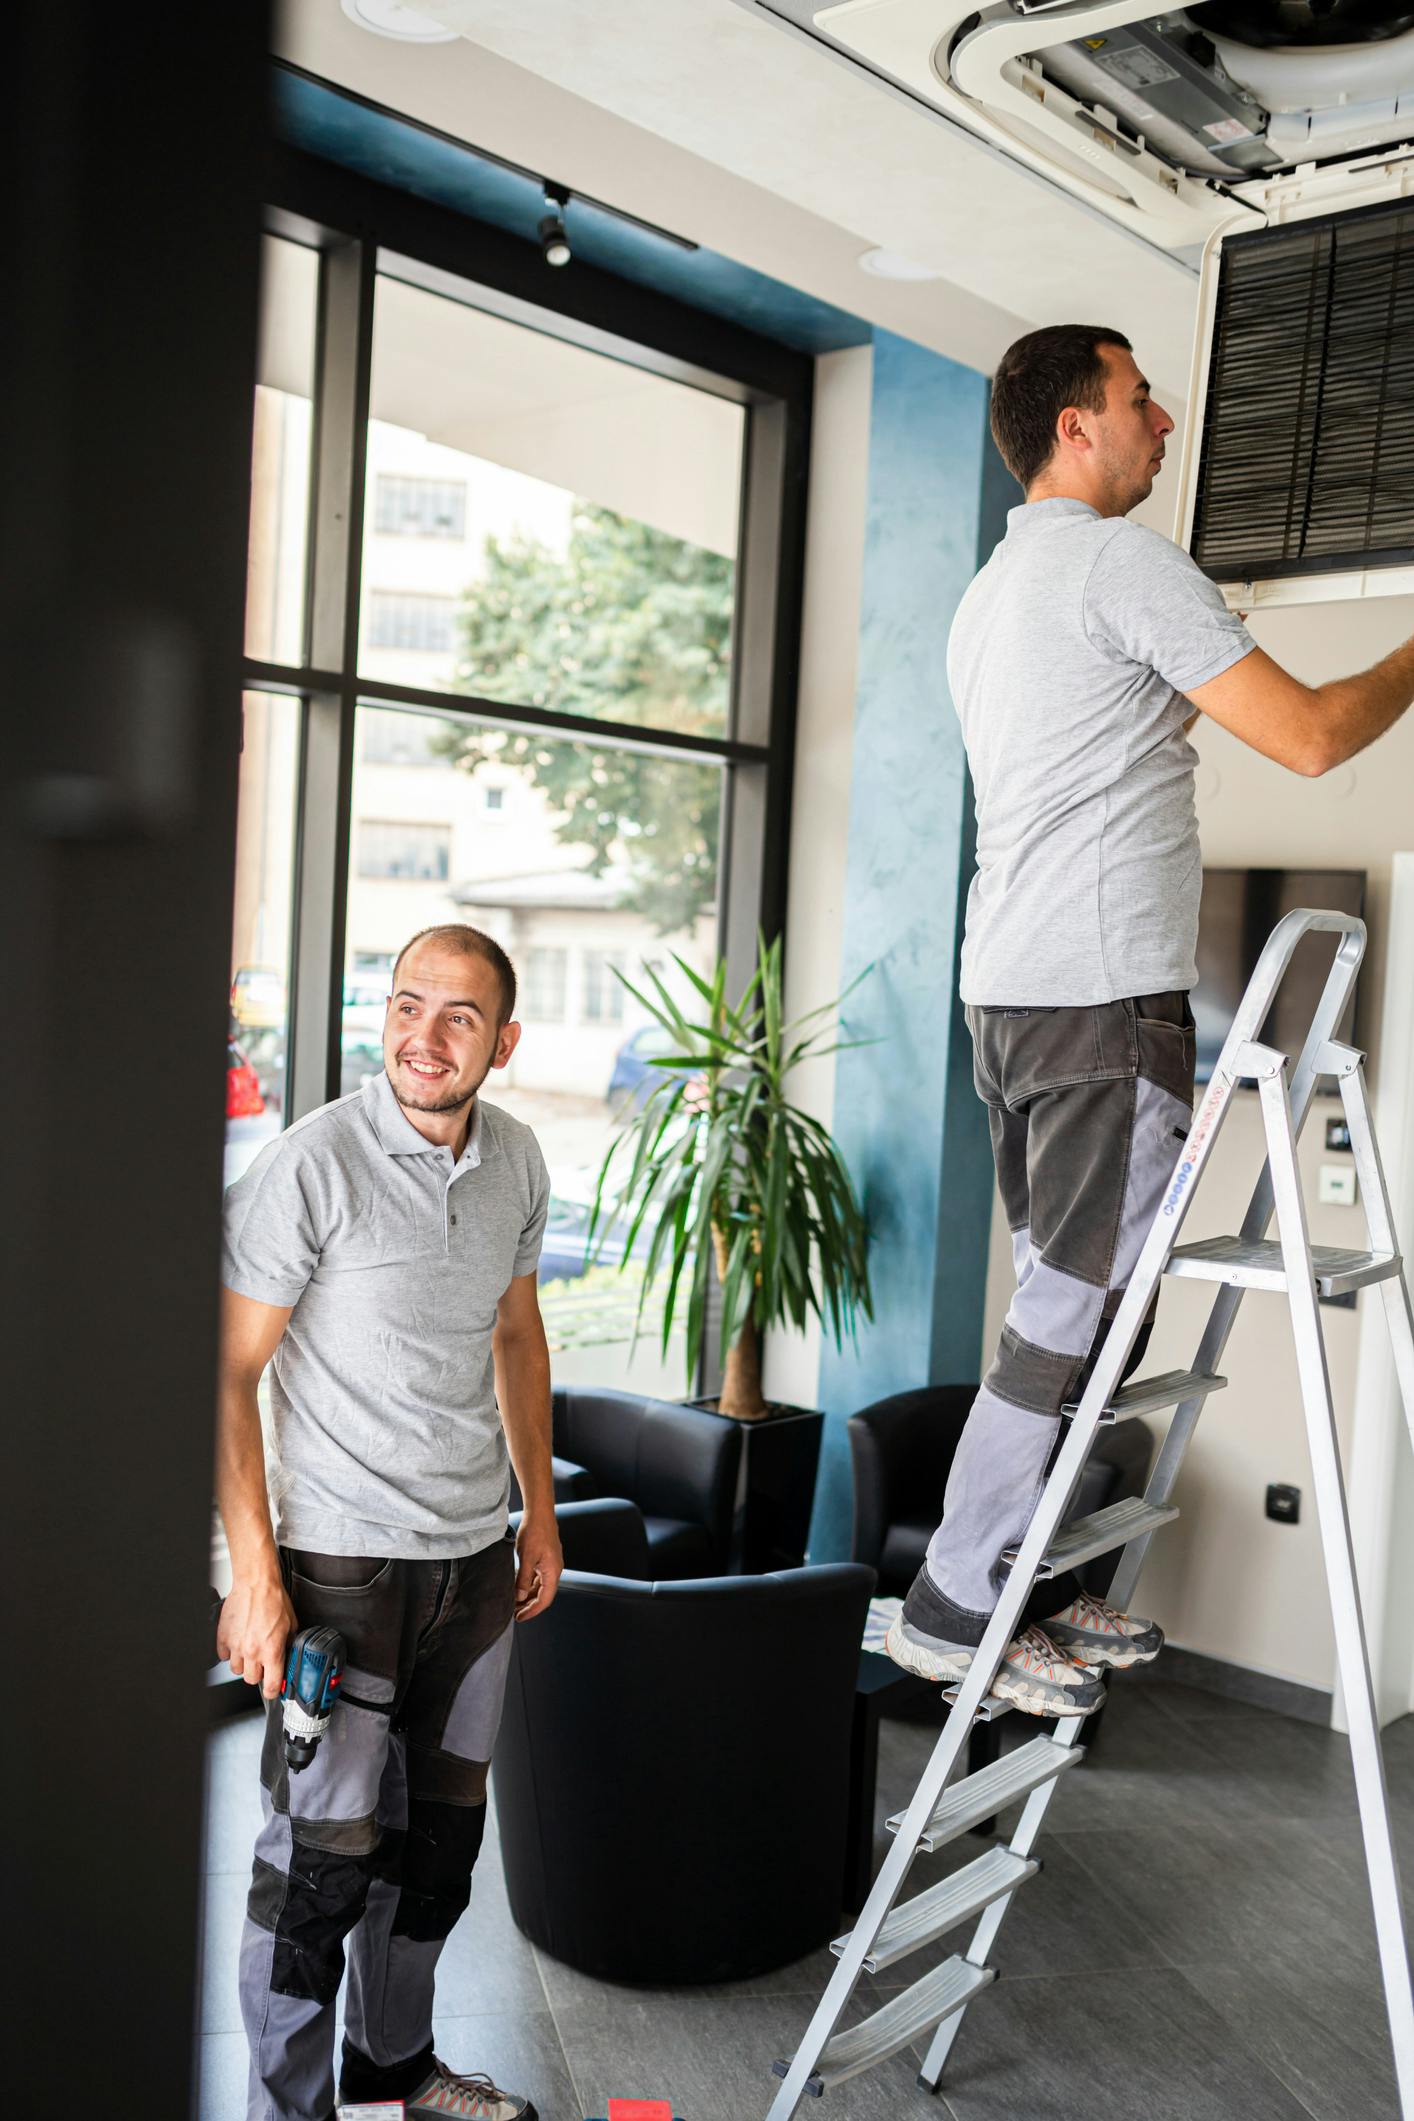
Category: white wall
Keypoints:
(839, 465)
(1224, 1580)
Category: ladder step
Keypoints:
(988, 1709)
(917, 1922)
(1256, 1263)
(898, 2024)
(1099, 1533)
(978, 1796)
(1149, 1395)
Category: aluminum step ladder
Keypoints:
(839, 2043)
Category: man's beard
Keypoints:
(445, 1104)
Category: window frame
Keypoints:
(362, 228)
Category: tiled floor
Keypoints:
(1197, 1948)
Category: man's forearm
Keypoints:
(241, 1493)
(523, 1391)
(1355, 710)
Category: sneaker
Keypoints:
(473, 2098)
(1033, 1675)
(1090, 1633)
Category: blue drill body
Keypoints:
(314, 1666)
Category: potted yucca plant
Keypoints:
(722, 1169)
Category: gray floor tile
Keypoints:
(1285, 1901)
(223, 2062)
(1185, 1704)
(711, 2056)
(566, 1986)
(521, 2050)
(224, 1915)
(1069, 2049)
(233, 1796)
(1150, 1770)
(1061, 1920)
(1307, 1770)
(486, 1964)
(1304, 2041)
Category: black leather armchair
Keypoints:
(902, 1448)
(677, 1463)
(672, 1774)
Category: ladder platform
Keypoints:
(978, 1796)
(1099, 1533)
(1256, 1263)
(897, 2025)
(988, 1709)
(1150, 1395)
(932, 1914)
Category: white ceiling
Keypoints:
(708, 120)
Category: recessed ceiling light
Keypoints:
(893, 265)
(389, 18)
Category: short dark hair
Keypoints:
(468, 942)
(1036, 379)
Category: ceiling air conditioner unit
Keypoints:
(1270, 145)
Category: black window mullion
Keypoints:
(343, 366)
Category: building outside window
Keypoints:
(602, 997)
(400, 739)
(407, 619)
(419, 508)
(417, 853)
(546, 978)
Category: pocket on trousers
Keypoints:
(1167, 1047)
(339, 1572)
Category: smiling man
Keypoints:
(380, 1257)
(1078, 660)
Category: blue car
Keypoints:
(566, 1252)
(633, 1081)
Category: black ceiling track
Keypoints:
(1307, 462)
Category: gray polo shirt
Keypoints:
(385, 1434)
(1068, 662)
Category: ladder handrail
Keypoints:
(1270, 969)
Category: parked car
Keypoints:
(366, 1001)
(250, 1120)
(633, 1080)
(258, 997)
(564, 1255)
(360, 1058)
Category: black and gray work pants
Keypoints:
(375, 1840)
(1089, 1108)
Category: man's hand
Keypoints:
(257, 1621)
(539, 1563)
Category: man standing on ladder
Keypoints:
(1078, 660)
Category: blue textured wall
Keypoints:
(905, 1113)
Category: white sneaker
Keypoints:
(1034, 1675)
(1091, 1633)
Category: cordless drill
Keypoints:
(314, 1665)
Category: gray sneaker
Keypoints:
(1091, 1634)
(1033, 1675)
(444, 2092)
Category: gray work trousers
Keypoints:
(1088, 1108)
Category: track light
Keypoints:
(554, 243)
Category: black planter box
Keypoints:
(776, 1489)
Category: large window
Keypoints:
(417, 853)
(419, 508)
(530, 693)
(258, 1041)
(280, 453)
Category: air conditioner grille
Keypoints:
(1308, 430)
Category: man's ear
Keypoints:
(507, 1039)
(1071, 428)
